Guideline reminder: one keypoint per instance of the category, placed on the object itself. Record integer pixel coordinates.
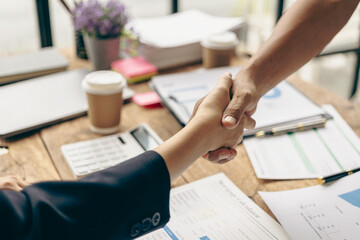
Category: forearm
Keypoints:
(184, 148)
(301, 34)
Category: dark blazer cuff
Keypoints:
(149, 185)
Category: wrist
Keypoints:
(249, 85)
(199, 135)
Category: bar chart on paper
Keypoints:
(327, 212)
(215, 209)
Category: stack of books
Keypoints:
(174, 40)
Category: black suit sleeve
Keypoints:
(122, 202)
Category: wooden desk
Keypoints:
(37, 156)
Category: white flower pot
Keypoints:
(102, 52)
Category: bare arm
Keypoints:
(302, 32)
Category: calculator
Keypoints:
(89, 156)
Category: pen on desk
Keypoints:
(318, 123)
(337, 176)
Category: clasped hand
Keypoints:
(233, 102)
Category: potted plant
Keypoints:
(101, 25)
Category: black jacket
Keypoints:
(122, 202)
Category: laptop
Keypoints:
(43, 101)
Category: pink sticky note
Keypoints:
(134, 67)
(147, 99)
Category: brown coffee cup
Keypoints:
(217, 50)
(104, 94)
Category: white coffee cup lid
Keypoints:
(220, 41)
(103, 82)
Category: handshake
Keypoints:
(215, 127)
(223, 114)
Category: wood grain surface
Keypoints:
(37, 156)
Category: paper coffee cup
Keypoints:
(217, 50)
(104, 95)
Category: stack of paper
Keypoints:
(175, 39)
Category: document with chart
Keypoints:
(215, 209)
(282, 104)
(327, 212)
(309, 154)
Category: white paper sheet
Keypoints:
(308, 154)
(214, 208)
(326, 212)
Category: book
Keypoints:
(32, 64)
(282, 105)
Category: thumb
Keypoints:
(240, 102)
(233, 113)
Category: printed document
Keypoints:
(214, 208)
(309, 154)
(179, 92)
(326, 212)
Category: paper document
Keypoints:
(179, 92)
(309, 154)
(326, 212)
(215, 209)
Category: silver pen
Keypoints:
(303, 126)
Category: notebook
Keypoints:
(32, 64)
(42, 101)
(283, 104)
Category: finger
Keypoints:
(206, 156)
(17, 188)
(233, 154)
(23, 183)
(219, 154)
(225, 81)
(12, 187)
(250, 123)
(221, 92)
(251, 111)
(197, 104)
(236, 108)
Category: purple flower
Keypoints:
(100, 20)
